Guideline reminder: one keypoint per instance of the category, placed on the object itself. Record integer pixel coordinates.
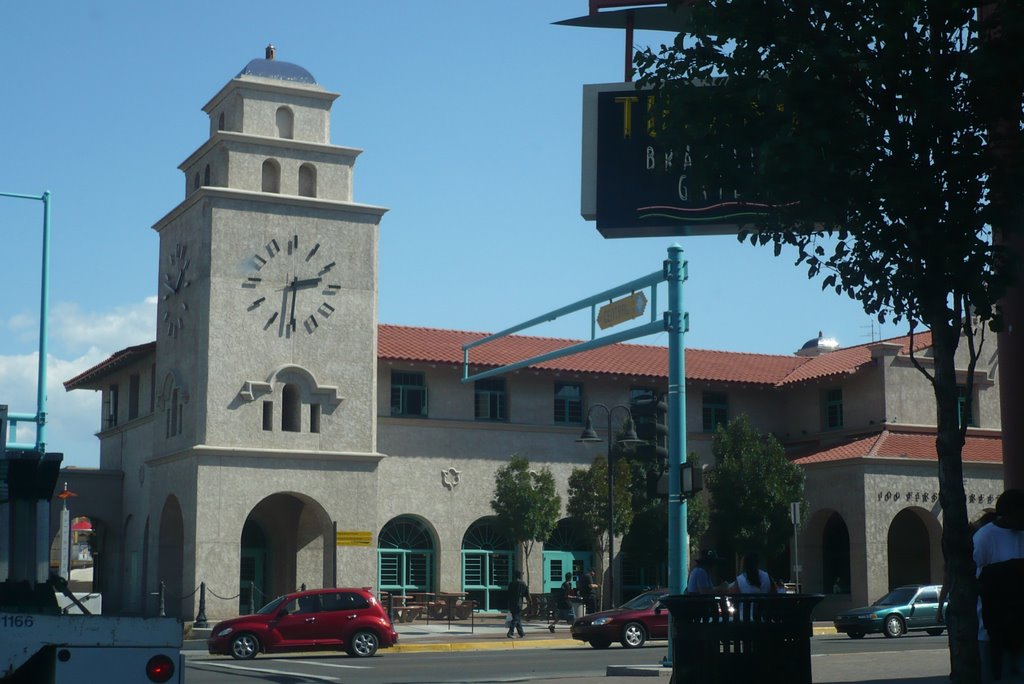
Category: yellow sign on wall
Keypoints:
(354, 538)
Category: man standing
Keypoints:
(700, 581)
(587, 588)
(518, 593)
(999, 555)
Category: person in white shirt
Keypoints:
(753, 580)
(1000, 545)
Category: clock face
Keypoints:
(292, 284)
(173, 282)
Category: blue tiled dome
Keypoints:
(282, 71)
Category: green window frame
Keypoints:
(965, 406)
(714, 410)
(490, 399)
(833, 409)
(408, 394)
(568, 403)
(405, 557)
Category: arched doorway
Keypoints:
(286, 542)
(252, 579)
(909, 550)
(566, 550)
(488, 559)
(405, 556)
(835, 556)
(170, 556)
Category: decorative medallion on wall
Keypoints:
(451, 478)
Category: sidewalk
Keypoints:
(889, 665)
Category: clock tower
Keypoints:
(264, 438)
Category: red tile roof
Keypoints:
(910, 445)
(432, 345)
(117, 360)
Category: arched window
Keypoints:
(307, 180)
(271, 176)
(405, 556)
(285, 122)
(488, 559)
(291, 408)
(206, 175)
(220, 122)
(195, 181)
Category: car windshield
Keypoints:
(643, 601)
(897, 597)
(272, 606)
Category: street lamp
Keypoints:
(589, 435)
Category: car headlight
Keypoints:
(224, 632)
(601, 621)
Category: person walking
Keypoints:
(518, 594)
(999, 557)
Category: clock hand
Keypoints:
(308, 282)
(169, 286)
(294, 285)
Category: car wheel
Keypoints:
(855, 634)
(935, 632)
(364, 644)
(893, 626)
(633, 635)
(244, 647)
(600, 643)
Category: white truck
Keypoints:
(40, 643)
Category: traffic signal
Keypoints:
(650, 417)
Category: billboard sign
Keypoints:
(632, 187)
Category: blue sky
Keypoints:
(469, 115)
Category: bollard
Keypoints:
(200, 620)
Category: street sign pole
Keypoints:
(678, 541)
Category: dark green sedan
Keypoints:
(904, 609)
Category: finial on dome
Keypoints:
(271, 51)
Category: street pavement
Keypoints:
(888, 664)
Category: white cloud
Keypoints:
(83, 340)
(122, 326)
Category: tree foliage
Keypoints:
(883, 141)
(588, 501)
(752, 487)
(647, 540)
(526, 504)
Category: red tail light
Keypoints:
(160, 669)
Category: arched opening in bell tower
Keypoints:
(285, 120)
(271, 176)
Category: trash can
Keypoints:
(741, 637)
(578, 608)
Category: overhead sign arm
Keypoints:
(657, 324)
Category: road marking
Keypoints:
(321, 664)
(265, 670)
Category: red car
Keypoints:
(631, 624)
(317, 620)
